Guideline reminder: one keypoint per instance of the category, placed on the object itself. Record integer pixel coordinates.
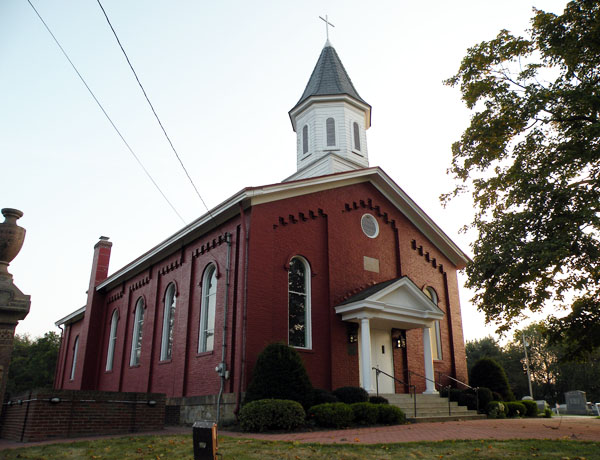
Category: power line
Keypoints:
(151, 106)
(104, 111)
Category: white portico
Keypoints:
(397, 304)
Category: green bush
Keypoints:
(279, 374)
(334, 415)
(547, 412)
(351, 395)
(496, 409)
(516, 408)
(489, 374)
(531, 408)
(271, 414)
(390, 415)
(468, 398)
(365, 413)
(485, 397)
(378, 400)
(454, 394)
(320, 396)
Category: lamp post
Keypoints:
(525, 344)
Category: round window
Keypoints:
(369, 225)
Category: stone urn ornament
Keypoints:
(11, 238)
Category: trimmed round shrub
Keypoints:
(489, 374)
(468, 398)
(485, 397)
(365, 413)
(320, 396)
(454, 394)
(271, 414)
(496, 409)
(530, 408)
(390, 415)
(516, 408)
(351, 395)
(332, 415)
(279, 374)
(378, 400)
(547, 412)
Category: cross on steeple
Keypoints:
(327, 24)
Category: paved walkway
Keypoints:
(575, 428)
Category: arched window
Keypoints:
(206, 341)
(356, 132)
(112, 340)
(299, 332)
(305, 139)
(74, 364)
(166, 347)
(136, 337)
(330, 124)
(436, 335)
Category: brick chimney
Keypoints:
(90, 337)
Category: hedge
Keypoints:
(365, 413)
(334, 415)
(271, 414)
(390, 415)
(351, 395)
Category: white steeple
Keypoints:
(330, 121)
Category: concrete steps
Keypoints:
(431, 408)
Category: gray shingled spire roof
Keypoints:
(329, 77)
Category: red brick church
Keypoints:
(336, 260)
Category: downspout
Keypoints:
(222, 367)
(241, 363)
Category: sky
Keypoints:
(222, 77)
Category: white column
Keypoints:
(365, 353)
(428, 356)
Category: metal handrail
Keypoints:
(457, 381)
(408, 371)
(414, 388)
(476, 389)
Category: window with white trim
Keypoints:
(356, 133)
(74, 363)
(436, 334)
(166, 346)
(112, 341)
(136, 336)
(330, 130)
(305, 140)
(299, 315)
(206, 341)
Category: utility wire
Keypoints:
(152, 107)
(104, 111)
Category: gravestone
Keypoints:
(576, 402)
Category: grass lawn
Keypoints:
(180, 448)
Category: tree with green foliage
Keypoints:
(489, 374)
(33, 363)
(531, 160)
(279, 373)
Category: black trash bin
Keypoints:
(204, 434)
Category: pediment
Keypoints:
(396, 303)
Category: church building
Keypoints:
(336, 261)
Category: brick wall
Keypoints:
(32, 417)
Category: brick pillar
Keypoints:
(14, 305)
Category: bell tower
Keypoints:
(330, 121)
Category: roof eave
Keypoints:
(72, 317)
(301, 106)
